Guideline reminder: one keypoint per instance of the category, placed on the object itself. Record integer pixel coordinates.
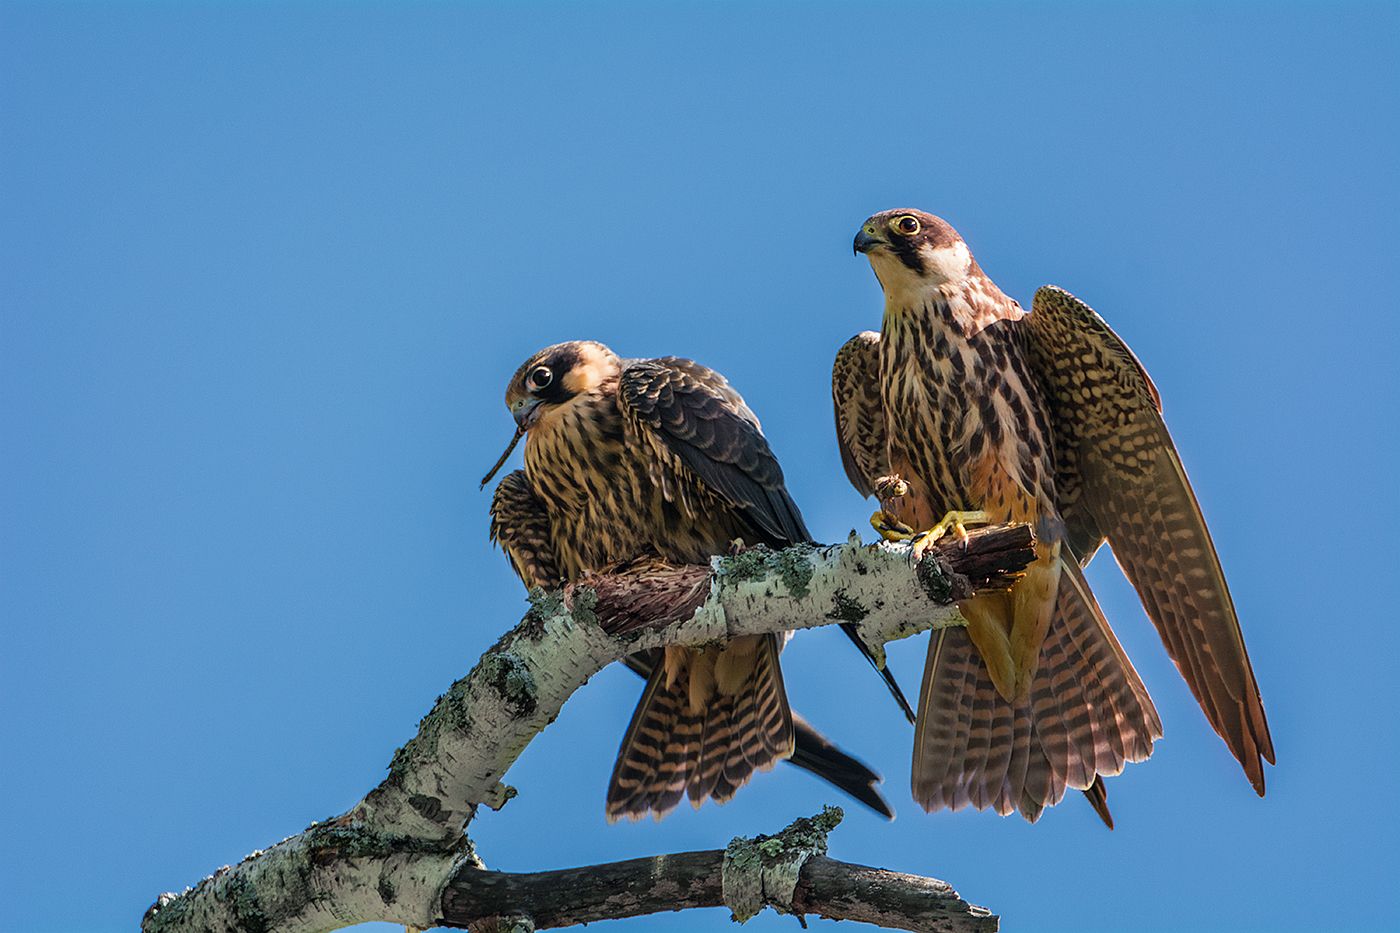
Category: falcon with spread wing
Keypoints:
(661, 457)
(965, 408)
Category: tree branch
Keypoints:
(485, 901)
(393, 855)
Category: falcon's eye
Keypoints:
(540, 378)
(907, 225)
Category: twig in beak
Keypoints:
(519, 433)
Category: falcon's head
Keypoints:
(552, 378)
(910, 249)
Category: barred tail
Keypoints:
(706, 721)
(1087, 714)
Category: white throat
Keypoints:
(905, 288)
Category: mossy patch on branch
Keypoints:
(764, 869)
(544, 605)
(935, 582)
(511, 679)
(792, 566)
(846, 609)
(450, 712)
(582, 602)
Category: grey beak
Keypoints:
(524, 414)
(865, 242)
(524, 411)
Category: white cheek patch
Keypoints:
(946, 263)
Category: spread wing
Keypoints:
(702, 433)
(860, 420)
(1119, 477)
(520, 525)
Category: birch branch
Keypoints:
(392, 856)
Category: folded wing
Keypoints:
(700, 428)
(860, 419)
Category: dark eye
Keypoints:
(541, 377)
(907, 225)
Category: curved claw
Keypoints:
(955, 522)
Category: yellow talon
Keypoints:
(955, 522)
(889, 527)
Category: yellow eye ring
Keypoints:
(906, 225)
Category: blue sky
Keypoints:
(264, 273)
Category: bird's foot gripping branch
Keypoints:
(402, 855)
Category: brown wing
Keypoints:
(860, 419)
(701, 429)
(520, 525)
(1119, 477)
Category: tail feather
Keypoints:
(1107, 753)
(1013, 780)
(1110, 664)
(1039, 789)
(815, 753)
(1052, 737)
(885, 673)
(1086, 714)
(675, 748)
(1097, 795)
(966, 678)
(714, 741)
(737, 764)
(1000, 752)
(947, 722)
(771, 708)
(1076, 718)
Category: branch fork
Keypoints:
(401, 853)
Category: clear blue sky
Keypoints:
(264, 273)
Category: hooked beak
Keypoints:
(865, 242)
(524, 412)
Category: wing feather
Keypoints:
(698, 424)
(860, 421)
(1120, 477)
(520, 525)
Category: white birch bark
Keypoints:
(392, 855)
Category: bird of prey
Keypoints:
(965, 408)
(520, 524)
(661, 457)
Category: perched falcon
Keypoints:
(967, 408)
(521, 525)
(628, 458)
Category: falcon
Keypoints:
(967, 409)
(661, 457)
